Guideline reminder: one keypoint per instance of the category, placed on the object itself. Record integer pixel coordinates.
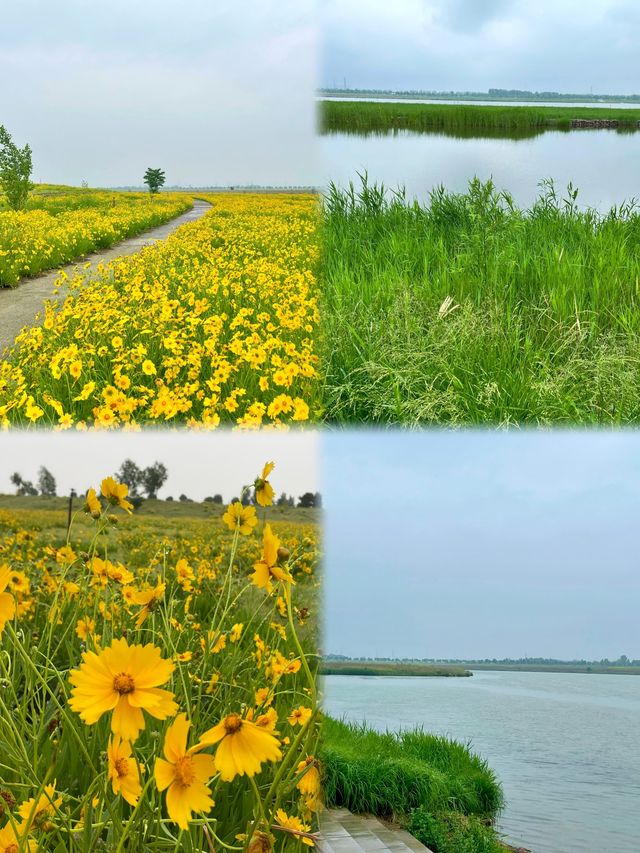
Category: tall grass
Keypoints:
(463, 119)
(468, 310)
(392, 774)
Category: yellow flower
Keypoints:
(123, 770)
(236, 632)
(264, 489)
(300, 716)
(14, 839)
(116, 493)
(267, 568)
(92, 505)
(36, 814)
(309, 784)
(294, 823)
(185, 774)
(7, 601)
(148, 367)
(242, 518)
(123, 679)
(149, 598)
(85, 627)
(243, 747)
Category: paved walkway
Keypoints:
(19, 305)
(343, 832)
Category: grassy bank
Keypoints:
(421, 670)
(462, 119)
(433, 786)
(468, 310)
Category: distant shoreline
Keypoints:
(464, 668)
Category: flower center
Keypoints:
(12, 848)
(123, 683)
(232, 724)
(122, 767)
(184, 771)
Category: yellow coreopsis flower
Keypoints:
(264, 489)
(268, 568)
(240, 517)
(124, 679)
(92, 505)
(243, 747)
(36, 814)
(184, 774)
(116, 493)
(294, 823)
(149, 599)
(14, 838)
(300, 716)
(309, 784)
(7, 601)
(123, 770)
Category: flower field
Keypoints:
(158, 679)
(62, 226)
(215, 325)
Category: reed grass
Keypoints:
(384, 117)
(469, 310)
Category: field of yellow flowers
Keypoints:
(158, 679)
(60, 226)
(215, 325)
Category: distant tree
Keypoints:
(15, 170)
(283, 500)
(183, 498)
(169, 498)
(217, 499)
(318, 500)
(208, 500)
(307, 500)
(23, 487)
(46, 483)
(130, 475)
(153, 478)
(154, 179)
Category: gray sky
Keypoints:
(482, 544)
(213, 92)
(472, 45)
(199, 463)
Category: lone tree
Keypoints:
(130, 475)
(15, 170)
(153, 478)
(154, 179)
(46, 483)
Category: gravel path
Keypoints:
(19, 305)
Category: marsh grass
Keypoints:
(390, 775)
(469, 310)
(458, 119)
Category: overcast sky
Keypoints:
(213, 92)
(482, 544)
(472, 45)
(199, 463)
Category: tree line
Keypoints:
(145, 483)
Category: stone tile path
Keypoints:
(343, 832)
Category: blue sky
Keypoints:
(215, 93)
(482, 544)
(472, 45)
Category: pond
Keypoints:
(603, 164)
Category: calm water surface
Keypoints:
(565, 746)
(603, 164)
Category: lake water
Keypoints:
(564, 746)
(603, 164)
(588, 104)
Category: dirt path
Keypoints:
(19, 305)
